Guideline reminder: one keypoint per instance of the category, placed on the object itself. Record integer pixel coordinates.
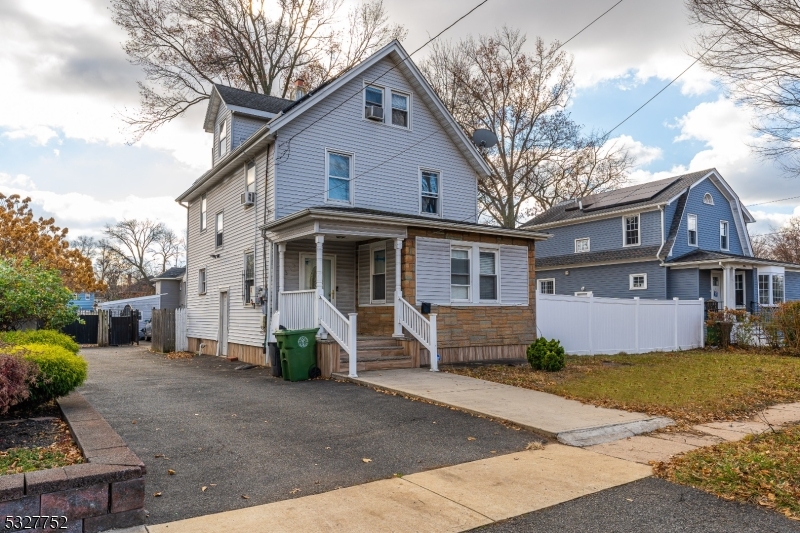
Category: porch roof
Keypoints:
(370, 222)
(711, 258)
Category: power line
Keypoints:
(773, 201)
(588, 25)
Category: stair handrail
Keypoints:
(342, 330)
(421, 328)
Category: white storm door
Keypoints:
(308, 275)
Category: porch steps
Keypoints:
(377, 353)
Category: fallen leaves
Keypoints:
(245, 497)
(294, 491)
(366, 460)
(157, 494)
(471, 438)
(203, 488)
(171, 472)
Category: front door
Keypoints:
(222, 348)
(740, 290)
(716, 287)
(308, 275)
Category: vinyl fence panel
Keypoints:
(181, 340)
(588, 325)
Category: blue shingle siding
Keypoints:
(683, 283)
(243, 128)
(604, 234)
(610, 281)
(704, 289)
(792, 285)
(708, 219)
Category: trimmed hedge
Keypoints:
(61, 371)
(40, 336)
(546, 355)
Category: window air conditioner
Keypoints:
(375, 112)
(248, 198)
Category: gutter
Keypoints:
(588, 218)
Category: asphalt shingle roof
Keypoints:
(621, 254)
(172, 273)
(709, 255)
(250, 100)
(622, 197)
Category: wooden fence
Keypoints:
(163, 324)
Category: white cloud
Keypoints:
(642, 155)
(40, 134)
(19, 181)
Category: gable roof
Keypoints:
(248, 103)
(701, 256)
(171, 273)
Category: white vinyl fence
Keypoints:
(589, 325)
(181, 340)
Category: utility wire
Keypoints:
(773, 201)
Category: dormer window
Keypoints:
(708, 199)
(373, 103)
(630, 229)
(691, 222)
(223, 138)
(723, 235)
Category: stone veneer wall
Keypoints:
(107, 492)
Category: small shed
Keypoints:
(171, 286)
(144, 304)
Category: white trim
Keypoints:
(239, 110)
(439, 197)
(588, 245)
(496, 252)
(203, 211)
(638, 209)
(471, 273)
(255, 176)
(539, 285)
(204, 270)
(727, 236)
(217, 229)
(744, 289)
(709, 197)
(587, 294)
(696, 231)
(408, 111)
(638, 230)
(381, 245)
(302, 272)
(630, 282)
(351, 187)
(382, 89)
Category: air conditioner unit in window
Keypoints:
(375, 112)
(248, 198)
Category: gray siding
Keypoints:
(610, 281)
(223, 115)
(708, 219)
(170, 293)
(606, 234)
(143, 304)
(243, 128)
(514, 275)
(363, 275)
(704, 287)
(387, 159)
(684, 283)
(345, 269)
(364, 279)
(433, 271)
(792, 285)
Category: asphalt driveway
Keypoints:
(249, 438)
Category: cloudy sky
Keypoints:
(66, 81)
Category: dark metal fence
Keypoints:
(119, 330)
(84, 331)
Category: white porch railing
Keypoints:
(421, 328)
(341, 329)
(297, 309)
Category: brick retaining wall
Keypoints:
(106, 492)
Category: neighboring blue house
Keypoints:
(682, 237)
(84, 301)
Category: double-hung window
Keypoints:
(373, 97)
(723, 235)
(459, 275)
(691, 223)
(223, 138)
(547, 286)
(201, 281)
(250, 178)
(378, 275)
(488, 275)
(249, 277)
(218, 239)
(770, 289)
(631, 229)
(581, 245)
(399, 109)
(203, 212)
(340, 173)
(429, 187)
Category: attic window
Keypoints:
(223, 138)
(708, 199)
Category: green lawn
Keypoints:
(690, 387)
(763, 469)
(19, 460)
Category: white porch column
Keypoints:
(319, 239)
(281, 253)
(398, 286)
(729, 295)
(724, 288)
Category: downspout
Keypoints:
(661, 210)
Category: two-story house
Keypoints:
(682, 237)
(350, 209)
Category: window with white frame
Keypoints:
(547, 286)
(250, 177)
(488, 275)
(223, 138)
(340, 174)
(203, 212)
(400, 109)
(691, 222)
(249, 277)
(638, 282)
(429, 189)
(581, 245)
(708, 199)
(723, 235)
(219, 228)
(459, 275)
(201, 281)
(373, 97)
(378, 275)
(770, 289)
(631, 230)
(584, 293)
(777, 289)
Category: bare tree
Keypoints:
(85, 245)
(133, 241)
(185, 46)
(167, 249)
(111, 268)
(753, 46)
(542, 157)
(780, 244)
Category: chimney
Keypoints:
(299, 88)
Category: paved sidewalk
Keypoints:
(552, 416)
(450, 499)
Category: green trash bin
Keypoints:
(298, 349)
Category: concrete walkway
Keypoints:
(450, 499)
(568, 421)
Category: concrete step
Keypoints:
(345, 358)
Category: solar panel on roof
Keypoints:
(628, 195)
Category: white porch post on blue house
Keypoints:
(398, 287)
